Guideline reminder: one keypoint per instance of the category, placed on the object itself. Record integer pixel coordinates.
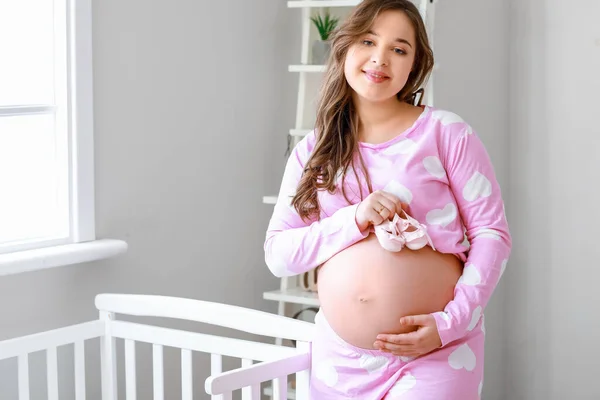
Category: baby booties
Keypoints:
(403, 230)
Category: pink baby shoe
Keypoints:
(402, 231)
(389, 235)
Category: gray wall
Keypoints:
(471, 48)
(552, 318)
(192, 104)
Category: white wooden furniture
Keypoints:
(289, 291)
(259, 362)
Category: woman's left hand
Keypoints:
(412, 344)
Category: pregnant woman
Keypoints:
(398, 207)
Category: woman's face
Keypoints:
(377, 66)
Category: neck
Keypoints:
(374, 117)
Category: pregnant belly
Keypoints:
(365, 290)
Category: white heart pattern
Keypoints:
(340, 174)
(474, 318)
(463, 357)
(470, 276)
(488, 233)
(403, 147)
(483, 325)
(326, 373)
(445, 316)
(477, 186)
(403, 385)
(446, 117)
(406, 358)
(442, 217)
(502, 269)
(288, 195)
(480, 388)
(434, 166)
(372, 363)
(399, 190)
(466, 242)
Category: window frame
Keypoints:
(81, 244)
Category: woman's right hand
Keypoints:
(376, 208)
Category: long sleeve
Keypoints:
(293, 246)
(477, 193)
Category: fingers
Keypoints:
(420, 320)
(379, 207)
(398, 204)
(398, 350)
(385, 207)
(404, 339)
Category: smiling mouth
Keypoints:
(376, 77)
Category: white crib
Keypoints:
(260, 362)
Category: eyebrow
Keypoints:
(400, 40)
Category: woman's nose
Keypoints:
(379, 58)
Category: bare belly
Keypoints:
(365, 290)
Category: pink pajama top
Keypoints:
(440, 167)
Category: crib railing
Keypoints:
(49, 342)
(251, 376)
(275, 363)
(260, 362)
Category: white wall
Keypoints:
(471, 48)
(552, 318)
(192, 104)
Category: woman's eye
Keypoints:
(367, 42)
(399, 51)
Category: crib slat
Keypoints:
(24, 377)
(303, 377)
(227, 396)
(130, 375)
(252, 392)
(108, 359)
(216, 367)
(280, 388)
(187, 389)
(158, 375)
(79, 370)
(52, 373)
(255, 392)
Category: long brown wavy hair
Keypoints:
(336, 126)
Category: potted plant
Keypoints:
(321, 47)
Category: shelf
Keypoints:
(322, 3)
(294, 295)
(270, 199)
(300, 132)
(307, 68)
(291, 393)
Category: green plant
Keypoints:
(325, 25)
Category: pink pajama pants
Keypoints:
(342, 371)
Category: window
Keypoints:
(46, 125)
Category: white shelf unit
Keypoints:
(269, 199)
(289, 291)
(291, 393)
(314, 68)
(322, 3)
(293, 295)
(299, 132)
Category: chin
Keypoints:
(375, 96)
(373, 93)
